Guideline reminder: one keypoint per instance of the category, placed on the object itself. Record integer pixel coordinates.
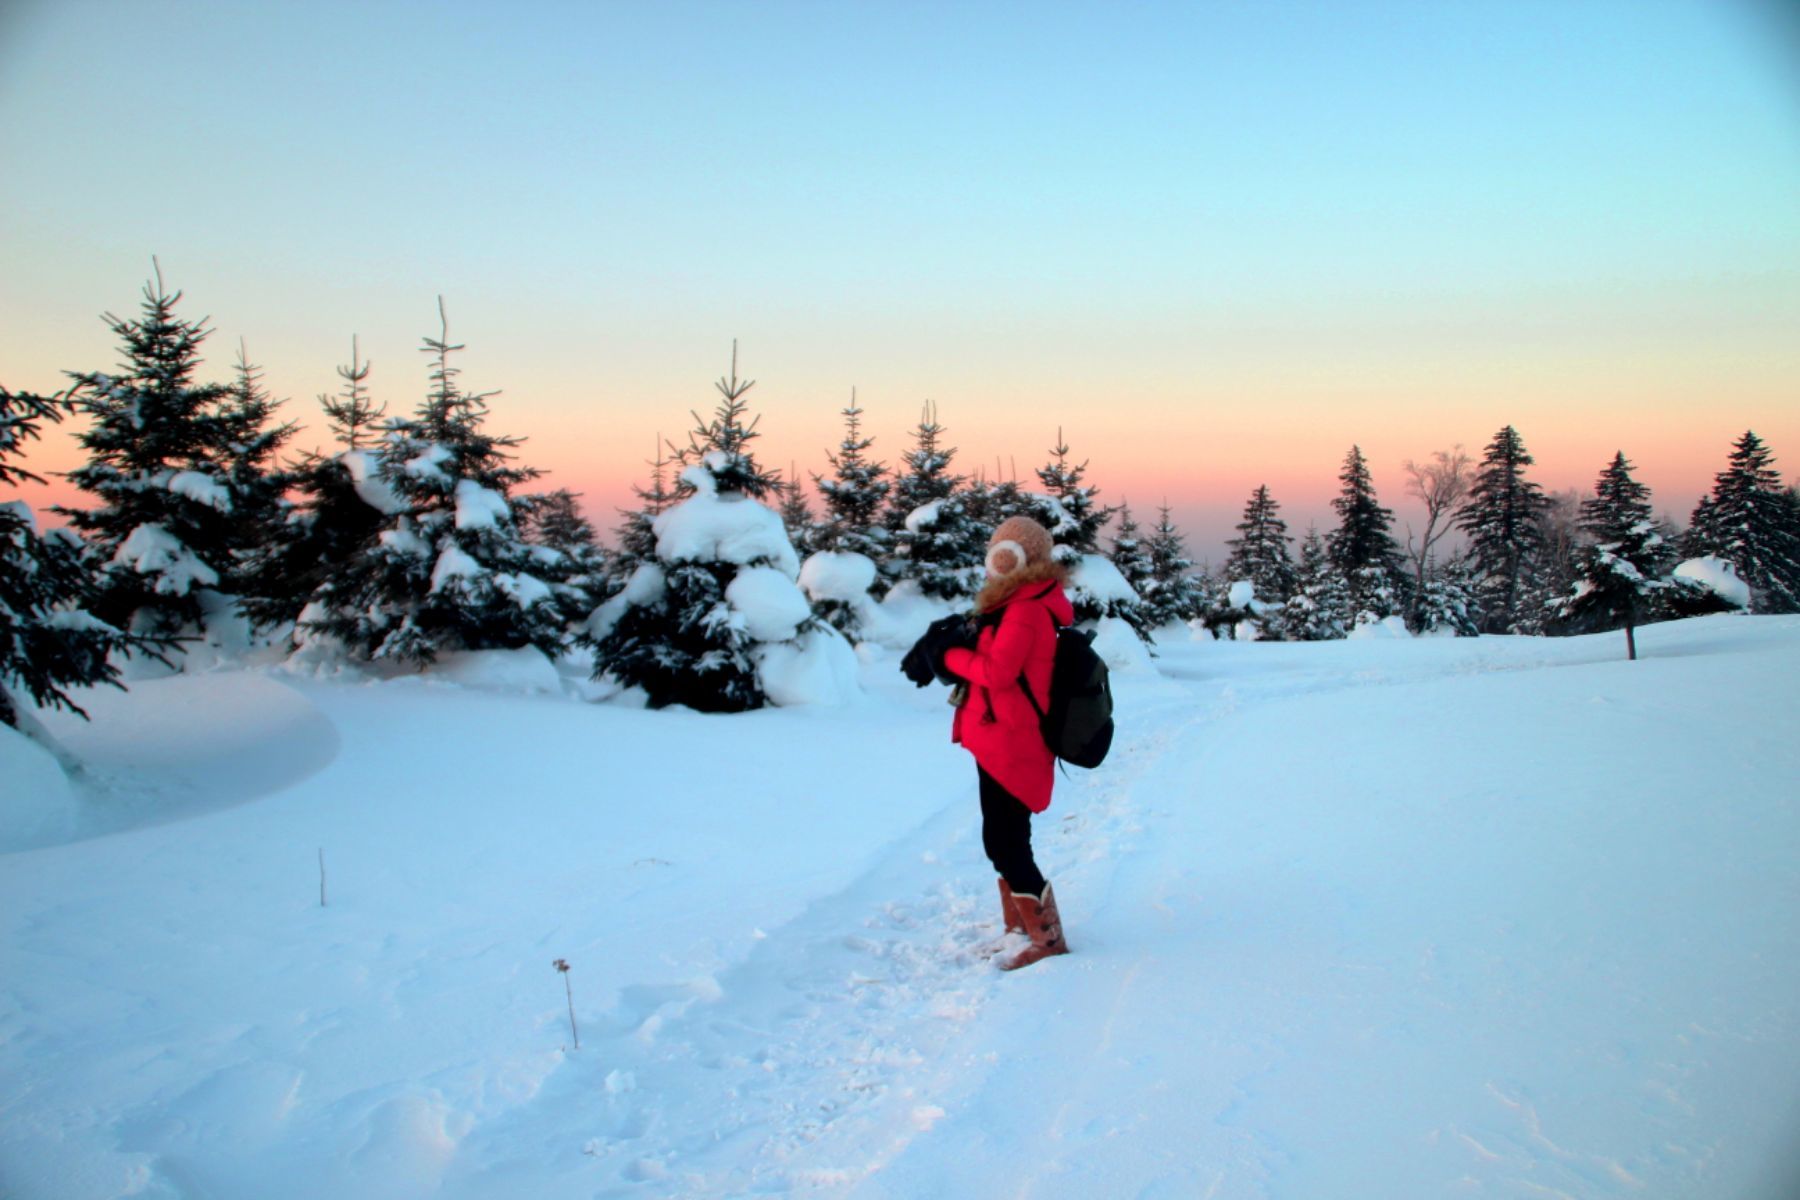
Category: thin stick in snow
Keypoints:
(562, 965)
(321, 877)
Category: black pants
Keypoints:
(1006, 836)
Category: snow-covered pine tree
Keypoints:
(796, 513)
(565, 542)
(449, 570)
(854, 495)
(1446, 601)
(714, 619)
(1621, 566)
(1503, 518)
(162, 530)
(1068, 508)
(1362, 548)
(989, 504)
(249, 445)
(1077, 517)
(849, 542)
(637, 530)
(1172, 594)
(1750, 522)
(1319, 608)
(1260, 551)
(338, 508)
(48, 642)
(1131, 553)
(938, 539)
(723, 444)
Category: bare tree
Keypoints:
(1440, 485)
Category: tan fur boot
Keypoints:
(1009, 912)
(1044, 926)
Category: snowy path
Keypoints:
(1497, 918)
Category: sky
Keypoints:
(1214, 244)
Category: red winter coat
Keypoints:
(996, 723)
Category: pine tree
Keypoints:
(258, 486)
(1260, 551)
(854, 495)
(48, 642)
(564, 541)
(1622, 566)
(849, 544)
(1557, 564)
(338, 508)
(637, 532)
(696, 620)
(1362, 548)
(1446, 600)
(1320, 607)
(449, 570)
(988, 504)
(1172, 593)
(352, 413)
(796, 514)
(163, 525)
(939, 538)
(1502, 516)
(1749, 521)
(723, 444)
(1131, 553)
(1075, 517)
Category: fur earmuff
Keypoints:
(1004, 557)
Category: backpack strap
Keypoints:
(1025, 684)
(1055, 629)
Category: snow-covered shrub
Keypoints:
(449, 568)
(718, 622)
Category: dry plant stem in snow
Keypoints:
(562, 965)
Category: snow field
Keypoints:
(1384, 918)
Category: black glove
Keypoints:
(925, 661)
(916, 666)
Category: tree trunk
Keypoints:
(1630, 643)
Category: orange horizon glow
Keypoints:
(1204, 459)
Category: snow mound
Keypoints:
(365, 467)
(21, 512)
(1119, 646)
(37, 807)
(1096, 578)
(707, 527)
(772, 607)
(924, 517)
(837, 575)
(1717, 576)
(646, 586)
(201, 488)
(478, 507)
(454, 563)
(819, 667)
(525, 670)
(1386, 628)
(153, 550)
(429, 464)
(902, 616)
(189, 744)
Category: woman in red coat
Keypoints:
(1017, 612)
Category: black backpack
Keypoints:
(1078, 724)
